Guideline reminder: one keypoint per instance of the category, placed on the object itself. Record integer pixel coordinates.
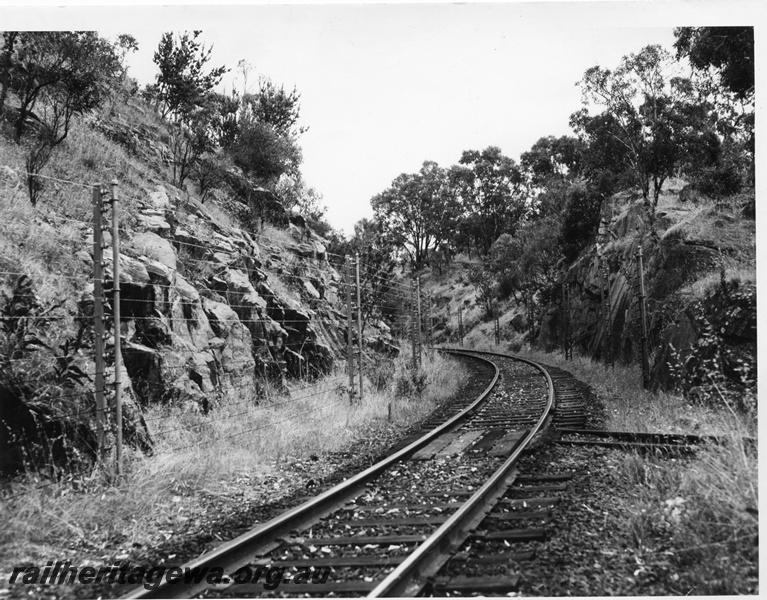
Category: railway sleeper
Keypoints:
(670, 449)
(536, 489)
(465, 584)
(530, 534)
(525, 478)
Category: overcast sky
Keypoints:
(385, 87)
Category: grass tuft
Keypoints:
(170, 489)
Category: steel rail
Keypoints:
(242, 549)
(412, 575)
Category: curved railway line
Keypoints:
(449, 502)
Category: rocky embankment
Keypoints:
(686, 305)
(211, 312)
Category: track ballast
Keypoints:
(402, 526)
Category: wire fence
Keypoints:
(104, 373)
(108, 365)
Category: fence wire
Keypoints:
(240, 400)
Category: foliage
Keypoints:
(23, 320)
(274, 106)
(655, 126)
(549, 167)
(580, 220)
(484, 284)
(729, 50)
(376, 278)
(722, 85)
(380, 373)
(296, 195)
(42, 371)
(55, 76)
(417, 213)
(553, 157)
(224, 119)
(719, 367)
(183, 81)
(25, 323)
(125, 86)
(209, 173)
(190, 139)
(261, 152)
(489, 186)
(65, 73)
(410, 383)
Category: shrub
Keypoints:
(507, 285)
(719, 181)
(721, 366)
(410, 383)
(41, 374)
(380, 373)
(580, 220)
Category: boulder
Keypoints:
(153, 221)
(153, 246)
(240, 291)
(158, 200)
(311, 290)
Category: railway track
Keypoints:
(396, 527)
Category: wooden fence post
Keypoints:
(413, 320)
(117, 331)
(98, 318)
(420, 317)
(359, 321)
(349, 340)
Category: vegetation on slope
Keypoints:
(661, 157)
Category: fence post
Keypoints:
(98, 316)
(117, 331)
(420, 317)
(643, 318)
(429, 322)
(349, 341)
(359, 319)
(412, 312)
(460, 323)
(563, 310)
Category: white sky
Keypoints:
(385, 87)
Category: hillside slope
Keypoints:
(700, 243)
(219, 300)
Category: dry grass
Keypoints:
(734, 235)
(43, 240)
(700, 514)
(162, 492)
(703, 514)
(220, 216)
(697, 520)
(279, 238)
(629, 407)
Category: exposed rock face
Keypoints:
(671, 262)
(203, 320)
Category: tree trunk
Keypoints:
(5, 67)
